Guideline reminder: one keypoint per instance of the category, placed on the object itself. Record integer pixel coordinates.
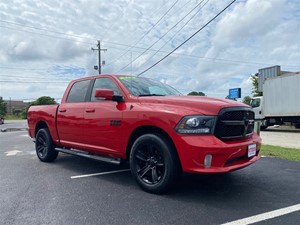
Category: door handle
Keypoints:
(90, 110)
(62, 110)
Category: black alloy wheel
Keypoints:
(44, 146)
(150, 163)
(153, 163)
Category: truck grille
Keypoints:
(234, 123)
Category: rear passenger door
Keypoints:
(70, 115)
(103, 130)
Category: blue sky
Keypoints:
(46, 44)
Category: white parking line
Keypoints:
(99, 174)
(265, 216)
(12, 152)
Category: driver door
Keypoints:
(103, 120)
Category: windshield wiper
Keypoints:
(143, 95)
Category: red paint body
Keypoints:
(105, 127)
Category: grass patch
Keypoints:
(281, 152)
(12, 117)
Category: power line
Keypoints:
(144, 35)
(70, 35)
(43, 69)
(125, 45)
(219, 60)
(179, 54)
(62, 33)
(155, 11)
(135, 46)
(43, 29)
(21, 82)
(68, 39)
(47, 35)
(14, 77)
(176, 33)
(188, 38)
(162, 36)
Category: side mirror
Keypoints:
(108, 94)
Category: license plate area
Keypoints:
(251, 150)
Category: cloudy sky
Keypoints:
(45, 44)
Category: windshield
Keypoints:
(140, 86)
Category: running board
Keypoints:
(90, 156)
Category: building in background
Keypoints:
(14, 106)
(270, 72)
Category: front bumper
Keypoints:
(225, 156)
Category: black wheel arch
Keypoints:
(40, 125)
(139, 131)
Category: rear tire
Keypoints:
(154, 163)
(44, 146)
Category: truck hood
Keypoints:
(189, 104)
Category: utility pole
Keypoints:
(99, 49)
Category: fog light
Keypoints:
(207, 161)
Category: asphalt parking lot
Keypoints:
(75, 190)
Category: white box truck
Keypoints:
(280, 101)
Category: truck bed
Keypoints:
(46, 113)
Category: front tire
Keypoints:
(44, 146)
(264, 125)
(154, 163)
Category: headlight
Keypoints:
(196, 125)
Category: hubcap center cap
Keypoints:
(152, 161)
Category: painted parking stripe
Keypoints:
(99, 174)
(265, 216)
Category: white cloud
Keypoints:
(249, 20)
(248, 36)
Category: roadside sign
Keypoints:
(234, 93)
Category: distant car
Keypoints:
(1, 119)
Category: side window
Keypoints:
(104, 83)
(255, 103)
(78, 91)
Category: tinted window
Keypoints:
(78, 91)
(140, 86)
(104, 83)
(255, 103)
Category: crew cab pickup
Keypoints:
(161, 133)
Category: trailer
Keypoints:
(280, 101)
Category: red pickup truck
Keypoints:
(116, 118)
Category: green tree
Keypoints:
(195, 93)
(247, 100)
(44, 100)
(17, 112)
(255, 91)
(2, 107)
